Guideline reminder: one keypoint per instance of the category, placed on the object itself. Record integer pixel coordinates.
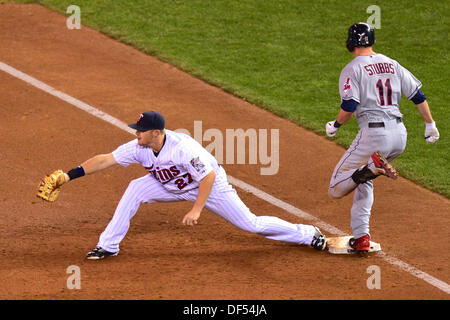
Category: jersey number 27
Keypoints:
(380, 87)
(181, 182)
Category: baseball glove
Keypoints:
(49, 187)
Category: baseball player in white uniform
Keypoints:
(179, 168)
(370, 87)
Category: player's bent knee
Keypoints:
(335, 193)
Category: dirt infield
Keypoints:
(160, 258)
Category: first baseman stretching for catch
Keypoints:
(179, 168)
(370, 87)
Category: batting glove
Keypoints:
(431, 132)
(331, 127)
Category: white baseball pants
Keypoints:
(223, 201)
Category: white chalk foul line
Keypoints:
(65, 97)
(236, 182)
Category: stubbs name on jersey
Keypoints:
(379, 68)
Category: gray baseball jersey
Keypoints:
(376, 82)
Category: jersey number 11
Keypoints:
(380, 87)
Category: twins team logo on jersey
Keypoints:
(347, 85)
(165, 176)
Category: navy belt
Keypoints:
(381, 124)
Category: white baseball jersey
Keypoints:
(174, 175)
(180, 165)
(376, 82)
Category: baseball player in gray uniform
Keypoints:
(180, 169)
(370, 88)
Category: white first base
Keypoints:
(340, 245)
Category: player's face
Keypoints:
(147, 138)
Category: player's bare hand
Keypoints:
(191, 218)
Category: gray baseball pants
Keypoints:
(390, 140)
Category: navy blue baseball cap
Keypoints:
(149, 120)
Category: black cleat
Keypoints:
(100, 253)
(319, 241)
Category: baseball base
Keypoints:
(340, 245)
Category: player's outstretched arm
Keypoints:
(94, 164)
(204, 190)
(99, 162)
(49, 186)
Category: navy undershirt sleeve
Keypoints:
(349, 105)
(419, 97)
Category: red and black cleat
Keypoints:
(360, 245)
(381, 162)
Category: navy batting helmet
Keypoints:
(360, 34)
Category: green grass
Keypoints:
(286, 56)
